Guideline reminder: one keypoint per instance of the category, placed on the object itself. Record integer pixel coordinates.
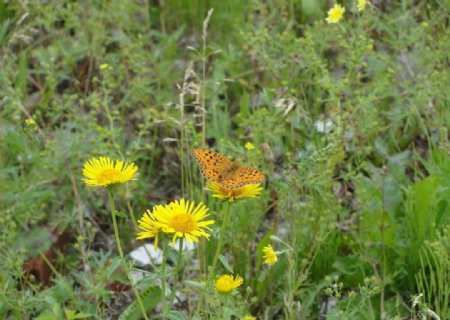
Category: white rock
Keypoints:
(324, 126)
(186, 246)
(146, 255)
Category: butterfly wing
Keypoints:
(242, 176)
(212, 164)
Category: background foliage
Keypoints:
(350, 123)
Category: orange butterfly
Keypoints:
(229, 174)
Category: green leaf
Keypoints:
(149, 279)
(245, 105)
(225, 263)
(34, 241)
(45, 315)
(53, 304)
(120, 214)
(150, 298)
(176, 315)
(113, 266)
(426, 211)
(71, 314)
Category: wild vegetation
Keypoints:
(342, 106)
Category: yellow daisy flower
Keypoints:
(227, 283)
(249, 146)
(361, 5)
(102, 172)
(29, 121)
(246, 191)
(183, 219)
(270, 256)
(149, 227)
(248, 318)
(335, 14)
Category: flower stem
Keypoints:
(130, 210)
(163, 278)
(216, 255)
(177, 270)
(220, 242)
(119, 248)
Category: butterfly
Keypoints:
(229, 174)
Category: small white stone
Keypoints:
(146, 255)
(186, 246)
(324, 126)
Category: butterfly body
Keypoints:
(229, 174)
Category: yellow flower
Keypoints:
(361, 5)
(246, 191)
(183, 219)
(102, 172)
(149, 227)
(249, 146)
(248, 318)
(270, 256)
(335, 14)
(103, 66)
(226, 283)
(29, 121)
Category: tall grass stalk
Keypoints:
(182, 133)
(203, 88)
(382, 246)
(433, 278)
(202, 245)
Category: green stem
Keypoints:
(383, 251)
(131, 211)
(134, 220)
(216, 255)
(119, 248)
(290, 278)
(220, 242)
(177, 270)
(163, 277)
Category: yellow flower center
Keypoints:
(237, 192)
(183, 222)
(232, 194)
(108, 176)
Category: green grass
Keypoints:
(359, 212)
